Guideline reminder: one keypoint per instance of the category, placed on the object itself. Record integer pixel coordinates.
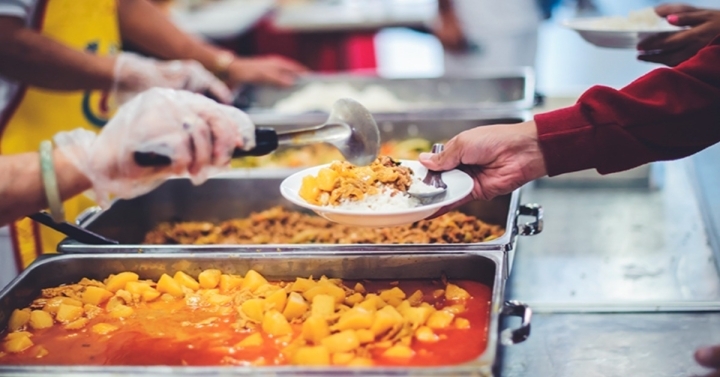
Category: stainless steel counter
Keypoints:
(592, 345)
(642, 254)
(619, 247)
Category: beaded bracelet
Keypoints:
(49, 178)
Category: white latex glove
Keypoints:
(196, 133)
(135, 74)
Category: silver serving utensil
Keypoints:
(350, 128)
(434, 179)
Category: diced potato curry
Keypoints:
(223, 319)
(343, 181)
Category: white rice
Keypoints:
(388, 199)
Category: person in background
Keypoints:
(666, 114)
(197, 134)
(672, 49)
(478, 34)
(62, 67)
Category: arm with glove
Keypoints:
(36, 60)
(198, 134)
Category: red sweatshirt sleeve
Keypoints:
(666, 114)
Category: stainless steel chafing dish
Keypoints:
(224, 198)
(487, 268)
(440, 97)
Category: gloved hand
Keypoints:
(135, 74)
(196, 133)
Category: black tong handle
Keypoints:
(266, 141)
(75, 232)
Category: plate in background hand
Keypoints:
(615, 38)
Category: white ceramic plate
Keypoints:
(609, 38)
(459, 186)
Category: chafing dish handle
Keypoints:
(531, 228)
(266, 141)
(509, 337)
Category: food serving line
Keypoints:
(571, 269)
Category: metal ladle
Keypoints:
(350, 128)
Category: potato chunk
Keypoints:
(276, 324)
(418, 316)
(18, 319)
(277, 300)
(295, 307)
(440, 320)
(365, 336)
(229, 282)
(327, 179)
(344, 341)
(355, 319)
(385, 319)
(18, 344)
(209, 279)
(77, 324)
(121, 311)
(425, 334)
(455, 293)
(96, 295)
(254, 309)
(103, 328)
(393, 296)
(40, 320)
(117, 282)
(186, 281)
(52, 305)
(399, 351)
(68, 313)
(329, 289)
(302, 285)
(361, 362)
(315, 329)
(323, 306)
(462, 323)
(168, 285)
(253, 340)
(150, 295)
(137, 287)
(318, 356)
(252, 281)
(342, 358)
(310, 191)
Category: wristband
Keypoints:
(222, 64)
(49, 178)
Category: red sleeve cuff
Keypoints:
(566, 140)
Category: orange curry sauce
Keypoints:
(171, 333)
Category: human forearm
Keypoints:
(22, 190)
(666, 114)
(31, 58)
(145, 27)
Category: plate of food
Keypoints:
(382, 194)
(621, 32)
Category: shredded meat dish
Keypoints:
(344, 181)
(281, 226)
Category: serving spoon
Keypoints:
(434, 179)
(350, 128)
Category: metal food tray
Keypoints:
(440, 97)
(53, 270)
(220, 199)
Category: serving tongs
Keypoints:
(350, 128)
(71, 230)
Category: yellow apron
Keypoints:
(36, 114)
